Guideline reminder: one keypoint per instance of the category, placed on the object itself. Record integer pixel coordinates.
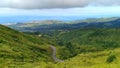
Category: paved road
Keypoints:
(54, 54)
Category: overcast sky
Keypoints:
(81, 8)
(44, 4)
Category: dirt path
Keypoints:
(54, 54)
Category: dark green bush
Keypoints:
(111, 58)
(1, 41)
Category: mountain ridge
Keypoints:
(51, 25)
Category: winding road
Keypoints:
(54, 54)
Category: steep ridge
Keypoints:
(16, 46)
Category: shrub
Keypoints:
(1, 41)
(111, 58)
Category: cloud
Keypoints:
(45, 4)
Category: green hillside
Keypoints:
(83, 48)
(88, 48)
(89, 60)
(100, 20)
(53, 25)
(18, 47)
(87, 40)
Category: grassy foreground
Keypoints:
(84, 60)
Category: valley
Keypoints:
(94, 47)
(60, 34)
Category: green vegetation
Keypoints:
(100, 20)
(92, 60)
(53, 25)
(111, 58)
(87, 40)
(83, 48)
(18, 48)
(83, 60)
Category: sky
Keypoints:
(12, 11)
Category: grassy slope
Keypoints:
(18, 47)
(94, 46)
(86, 40)
(94, 38)
(88, 43)
(93, 60)
(83, 60)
